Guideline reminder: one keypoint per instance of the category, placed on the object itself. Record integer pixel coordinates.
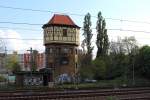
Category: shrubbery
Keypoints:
(2, 79)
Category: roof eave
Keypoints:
(48, 25)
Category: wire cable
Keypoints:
(139, 31)
(22, 39)
(67, 13)
(17, 28)
(3, 22)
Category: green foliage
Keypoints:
(87, 33)
(124, 54)
(109, 67)
(143, 60)
(99, 68)
(106, 42)
(102, 37)
(85, 66)
(85, 59)
(112, 98)
(12, 63)
(16, 67)
(117, 65)
(2, 79)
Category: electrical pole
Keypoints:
(31, 58)
(133, 78)
(31, 62)
(5, 64)
(5, 58)
(5, 53)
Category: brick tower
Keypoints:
(61, 40)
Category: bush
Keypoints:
(2, 79)
(99, 68)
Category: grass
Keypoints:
(112, 98)
(115, 83)
(119, 82)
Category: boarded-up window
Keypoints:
(65, 32)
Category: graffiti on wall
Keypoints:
(33, 80)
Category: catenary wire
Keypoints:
(37, 10)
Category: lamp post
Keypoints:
(31, 58)
(31, 61)
(133, 72)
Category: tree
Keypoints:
(86, 57)
(117, 65)
(130, 44)
(116, 47)
(106, 43)
(2, 55)
(86, 69)
(143, 61)
(12, 63)
(87, 33)
(99, 68)
(122, 55)
(102, 37)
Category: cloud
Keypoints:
(11, 44)
(18, 44)
(35, 44)
(137, 29)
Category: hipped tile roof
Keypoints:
(61, 20)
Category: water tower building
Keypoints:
(61, 40)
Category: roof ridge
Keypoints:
(61, 14)
(61, 19)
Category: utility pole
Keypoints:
(31, 58)
(5, 58)
(5, 55)
(31, 62)
(133, 78)
(133, 67)
(5, 64)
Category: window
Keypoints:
(66, 50)
(64, 61)
(51, 65)
(76, 50)
(71, 50)
(65, 32)
(50, 50)
(47, 50)
(58, 50)
(76, 65)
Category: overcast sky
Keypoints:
(132, 10)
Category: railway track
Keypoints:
(122, 94)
